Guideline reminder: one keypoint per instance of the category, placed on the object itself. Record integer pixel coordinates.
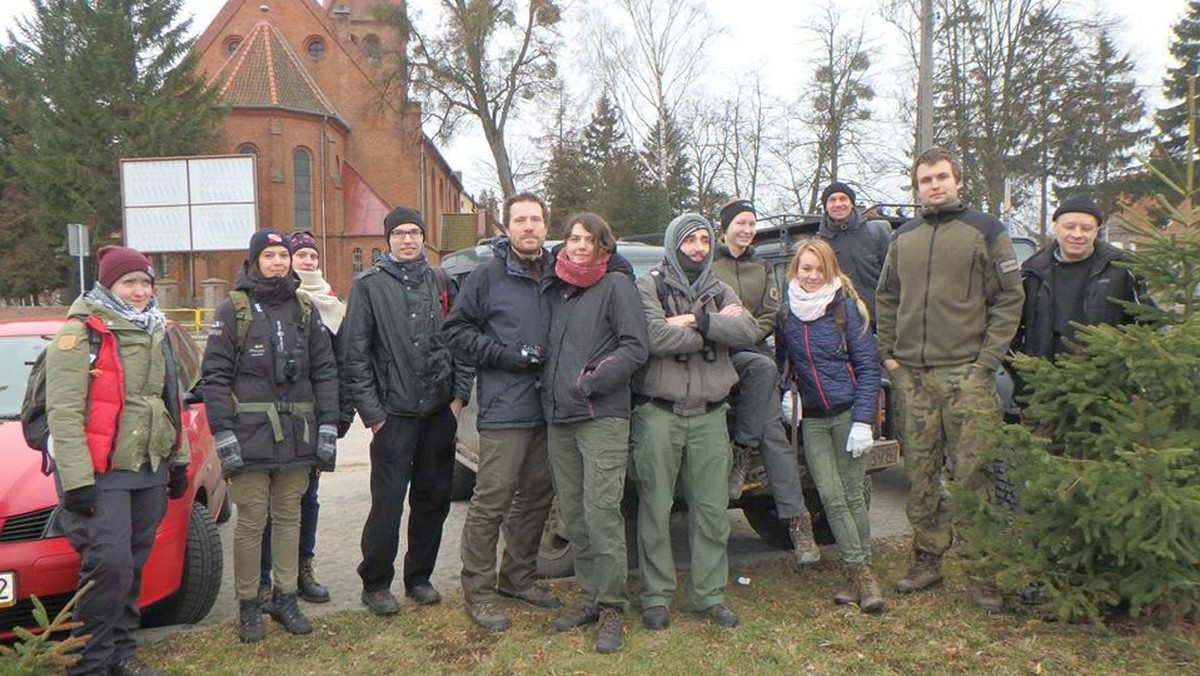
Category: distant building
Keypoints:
(337, 145)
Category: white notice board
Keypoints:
(189, 203)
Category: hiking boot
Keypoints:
(656, 618)
(849, 592)
(250, 624)
(719, 615)
(926, 572)
(579, 616)
(535, 595)
(986, 596)
(307, 586)
(487, 614)
(610, 636)
(1032, 595)
(870, 598)
(286, 611)
(264, 597)
(381, 602)
(424, 594)
(737, 473)
(806, 550)
(132, 665)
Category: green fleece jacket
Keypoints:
(145, 431)
(950, 291)
(755, 287)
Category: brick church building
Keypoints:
(305, 83)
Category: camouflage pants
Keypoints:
(943, 408)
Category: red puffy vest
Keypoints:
(106, 397)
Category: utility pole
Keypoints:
(925, 79)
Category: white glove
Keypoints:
(860, 440)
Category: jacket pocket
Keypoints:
(255, 437)
(302, 423)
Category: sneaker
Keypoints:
(806, 550)
(610, 636)
(719, 615)
(307, 586)
(286, 611)
(737, 473)
(579, 616)
(487, 614)
(535, 595)
(132, 665)
(656, 618)
(926, 573)
(986, 596)
(381, 602)
(250, 624)
(424, 594)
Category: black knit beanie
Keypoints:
(1082, 204)
(732, 209)
(399, 216)
(265, 238)
(836, 186)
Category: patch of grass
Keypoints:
(789, 625)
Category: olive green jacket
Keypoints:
(145, 431)
(755, 287)
(950, 291)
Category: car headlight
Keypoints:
(791, 408)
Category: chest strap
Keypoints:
(273, 409)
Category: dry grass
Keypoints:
(788, 626)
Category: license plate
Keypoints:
(885, 453)
(8, 589)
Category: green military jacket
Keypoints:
(145, 431)
(950, 291)
(755, 287)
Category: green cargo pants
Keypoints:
(255, 493)
(512, 494)
(588, 461)
(944, 411)
(839, 478)
(664, 446)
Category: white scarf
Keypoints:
(314, 286)
(810, 306)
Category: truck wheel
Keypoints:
(201, 580)
(462, 482)
(555, 558)
(765, 521)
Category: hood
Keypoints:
(674, 235)
(23, 487)
(831, 228)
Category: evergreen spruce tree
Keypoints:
(1185, 48)
(1107, 459)
(85, 83)
(668, 164)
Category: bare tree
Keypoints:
(487, 57)
(749, 119)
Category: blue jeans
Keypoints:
(309, 509)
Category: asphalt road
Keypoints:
(345, 500)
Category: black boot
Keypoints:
(286, 611)
(307, 586)
(250, 624)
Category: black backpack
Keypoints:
(34, 424)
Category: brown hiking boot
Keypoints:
(535, 595)
(849, 592)
(926, 572)
(610, 636)
(805, 546)
(986, 596)
(737, 473)
(487, 614)
(870, 598)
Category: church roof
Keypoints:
(265, 72)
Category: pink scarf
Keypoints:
(582, 276)
(809, 306)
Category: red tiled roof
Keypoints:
(265, 72)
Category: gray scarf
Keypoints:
(149, 320)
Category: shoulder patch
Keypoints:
(1007, 266)
(773, 292)
(67, 342)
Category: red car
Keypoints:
(183, 574)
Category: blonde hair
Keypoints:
(829, 264)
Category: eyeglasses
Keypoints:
(407, 234)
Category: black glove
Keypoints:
(82, 500)
(516, 360)
(177, 484)
(344, 427)
(230, 452)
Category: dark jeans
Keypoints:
(413, 455)
(310, 509)
(113, 544)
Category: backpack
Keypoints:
(34, 424)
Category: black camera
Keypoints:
(532, 353)
(709, 353)
(287, 367)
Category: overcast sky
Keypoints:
(769, 35)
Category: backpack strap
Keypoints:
(839, 321)
(442, 280)
(242, 317)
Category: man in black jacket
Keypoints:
(409, 391)
(1074, 279)
(860, 244)
(499, 322)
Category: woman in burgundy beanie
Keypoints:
(118, 261)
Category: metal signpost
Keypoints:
(77, 245)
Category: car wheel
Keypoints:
(555, 558)
(462, 482)
(226, 511)
(202, 568)
(765, 521)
